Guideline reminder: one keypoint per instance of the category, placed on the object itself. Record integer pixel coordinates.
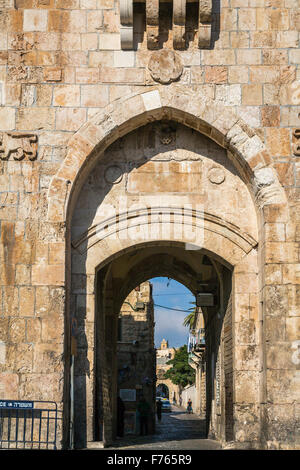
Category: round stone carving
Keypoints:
(113, 174)
(165, 66)
(167, 134)
(216, 175)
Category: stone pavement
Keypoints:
(176, 431)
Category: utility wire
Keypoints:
(161, 306)
(174, 293)
(169, 308)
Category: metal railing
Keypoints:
(28, 424)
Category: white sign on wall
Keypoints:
(128, 394)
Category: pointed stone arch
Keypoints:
(175, 102)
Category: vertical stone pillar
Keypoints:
(152, 23)
(126, 24)
(281, 301)
(247, 362)
(205, 18)
(179, 15)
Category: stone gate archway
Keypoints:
(231, 241)
(162, 390)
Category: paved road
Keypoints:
(176, 431)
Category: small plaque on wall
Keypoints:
(205, 300)
(128, 394)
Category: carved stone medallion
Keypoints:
(167, 134)
(216, 175)
(165, 66)
(113, 174)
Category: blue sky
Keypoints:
(168, 323)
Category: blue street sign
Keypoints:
(16, 404)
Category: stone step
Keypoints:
(94, 445)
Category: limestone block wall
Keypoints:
(61, 61)
(60, 64)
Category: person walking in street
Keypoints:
(144, 411)
(158, 409)
(189, 406)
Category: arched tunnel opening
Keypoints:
(125, 357)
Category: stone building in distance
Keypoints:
(150, 139)
(165, 387)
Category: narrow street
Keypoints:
(176, 431)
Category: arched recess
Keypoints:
(227, 243)
(162, 389)
(119, 272)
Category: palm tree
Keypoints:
(190, 319)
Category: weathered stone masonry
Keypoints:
(68, 91)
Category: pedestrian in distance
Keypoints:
(189, 406)
(158, 409)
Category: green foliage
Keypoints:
(189, 320)
(181, 373)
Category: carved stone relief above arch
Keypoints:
(113, 174)
(165, 66)
(18, 145)
(216, 175)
